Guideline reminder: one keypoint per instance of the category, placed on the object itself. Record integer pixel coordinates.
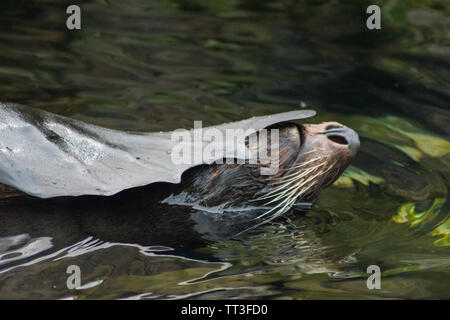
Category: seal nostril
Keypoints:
(338, 139)
(333, 126)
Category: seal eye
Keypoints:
(338, 139)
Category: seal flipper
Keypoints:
(47, 155)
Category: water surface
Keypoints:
(160, 65)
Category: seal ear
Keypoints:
(46, 155)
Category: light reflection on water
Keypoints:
(148, 66)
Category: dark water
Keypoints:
(160, 65)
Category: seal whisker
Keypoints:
(289, 201)
(292, 190)
(295, 176)
(298, 175)
(280, 194)
(300, 165)
(307, 188)
(293, 168)
(272, 209)
(274, 192)
(278, 191)
(291, 195)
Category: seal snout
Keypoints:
(343, 135)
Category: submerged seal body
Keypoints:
(45, 155)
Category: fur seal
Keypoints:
(46, 155)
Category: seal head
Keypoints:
(311, 157)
